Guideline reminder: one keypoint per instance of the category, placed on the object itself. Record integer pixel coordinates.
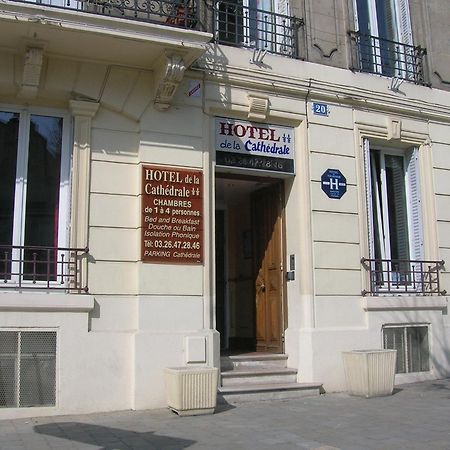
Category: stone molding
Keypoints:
(167, 85)
(32, 70)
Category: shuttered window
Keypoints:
(384, 25)
(394, 209)
(386, 19)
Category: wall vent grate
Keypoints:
(27, 368)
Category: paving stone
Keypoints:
(416, 417)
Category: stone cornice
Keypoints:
(83, 108)
(322, 89)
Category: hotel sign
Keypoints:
(254, 146)
(172, 215)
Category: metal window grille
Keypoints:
(411, 343)
(389, 58)
(395, 276)
(27, 368)
(181, 13)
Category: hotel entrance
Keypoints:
(249, 264)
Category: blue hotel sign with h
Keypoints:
(333, 183)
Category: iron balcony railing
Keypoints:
(179, 13)
(231, 22)
(243, 26)
(48, 268)
(389, 58)
(397, 276)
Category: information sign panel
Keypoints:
(333, 183)
(172, 215)
(255, 146)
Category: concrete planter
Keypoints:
(370, 373)
(191, 391)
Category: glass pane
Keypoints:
(419, 358)
(366, 45)
(386, 20)
(397, 207)
(37, 369)
(377, 210)
(9, 136)
(37, 380)
(42, 205)
(8, 381)
(230, 22)
(8, 367)
(394, 340)
(363, 17)
(8, 342)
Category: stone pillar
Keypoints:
(83, 112)
(429, 214)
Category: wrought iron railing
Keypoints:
(242, 26)
(389, 58)
(48, 268)
(180, 13)
(397, 276)
(231, 22)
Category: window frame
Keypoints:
(21, 176)
(20, 330)
(404, 327)
(255, 32)
(413, 209)
(402, 35)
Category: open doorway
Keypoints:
(249, 271)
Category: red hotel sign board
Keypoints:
(172, 215)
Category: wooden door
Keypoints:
(267, 210)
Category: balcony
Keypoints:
(141, 34)
(180, 13)
(388, 58)
(400, 277)
(230, 22)
(45, 268)
(243, 26)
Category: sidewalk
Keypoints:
(416, 417)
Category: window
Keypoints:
(385, 43)
(394, 217)
(34, 192)
(411, 343)
(262, 24)
(27, 368)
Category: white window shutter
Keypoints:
(405, 33)
(282, 7)
(284, 33)
(415, 207)
(368, 182)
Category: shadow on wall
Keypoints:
(110, 438)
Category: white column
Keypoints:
(83, 112)
(429, 215)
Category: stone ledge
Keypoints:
(385, 303)
(45, 302)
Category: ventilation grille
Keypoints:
(27, 368)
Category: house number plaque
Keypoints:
(172, 215)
